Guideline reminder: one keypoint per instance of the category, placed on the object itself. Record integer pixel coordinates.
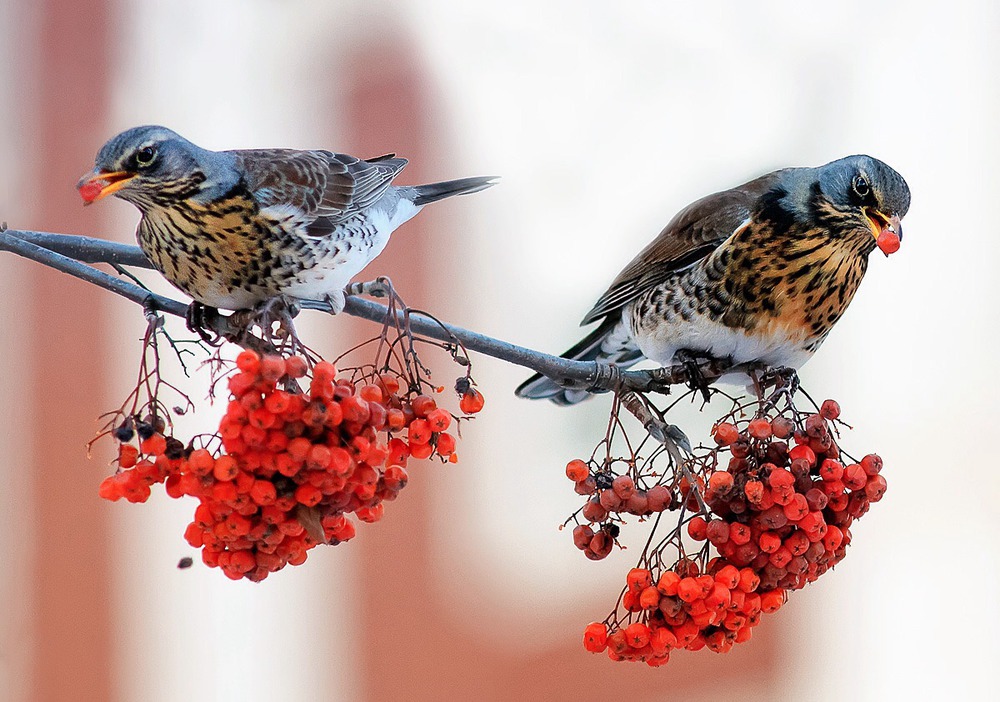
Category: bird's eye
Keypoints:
(145, 156)
(861, 186)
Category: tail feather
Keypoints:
(610, 342)
(432, 192)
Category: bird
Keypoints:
(237, 229)
(757, 274)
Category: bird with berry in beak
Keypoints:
(758, 274)
(237, 229)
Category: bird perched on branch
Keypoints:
(234, 229)
(759, 273)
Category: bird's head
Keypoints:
(151, 166)
(869, 197)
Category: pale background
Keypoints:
(603, 119)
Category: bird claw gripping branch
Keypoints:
(288, 464)
(763, 511)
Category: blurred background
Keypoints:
(604, 119)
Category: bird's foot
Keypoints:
(337, 301)
(692, 365)
(280, 311)
(380, 287)
(785, 382)
(203, 320)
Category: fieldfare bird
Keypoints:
(234, 229)
(756, 274)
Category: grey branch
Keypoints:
(71, 254)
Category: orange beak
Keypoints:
(880, 223)
(887, 230)
(98, 184)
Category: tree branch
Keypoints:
(70, 254)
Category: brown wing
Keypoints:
(692, 234)
(323, 185)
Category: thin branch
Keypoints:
(67, 253)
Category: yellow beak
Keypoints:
(98, 184)
(879, 222)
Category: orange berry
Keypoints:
(728, 576)
(720, 480)
(754, 490)
(725, 433)
(355, 409)
(421, 451)
(445, 445)
(830, 409)
(649, 598)
(225, 468)
(689, 589)
(668, 584)
(423, 405)
(263, 492)
(697, 528)
(623, 487)
(111, 488)
(308, 495)
(248, 361)
(128, 455)
(155, 445)
(577, 470)
(318, 458)
(390, 383)
(395, 419)
(637, 635)
(272, 368)
(638, 579)
(472, 401)
(419, 432)
(772, 600)
(296, 367)
(759, 428)
(439, 420)
(370, 514)
(595, 637)
(324, 372)
(371, 393)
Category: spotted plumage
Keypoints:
(759, 273)
(234, 229)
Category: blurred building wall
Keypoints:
(603, 121)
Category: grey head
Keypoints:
(867, 191)
(152, 166)
(861, 193)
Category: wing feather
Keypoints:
(690, 236)
(326, 187)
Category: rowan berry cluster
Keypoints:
(611, 496)
(771, 504)
(292, 465)
(684, 608)
(786, 511)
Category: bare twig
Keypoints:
(70, 254)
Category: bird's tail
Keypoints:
(424, 194)
(610, 342)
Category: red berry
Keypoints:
(472, 401)
(595, 637)
(759, 428)
(888, 242)
(830, 409)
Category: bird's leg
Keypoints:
(203, 320)
(696, 381)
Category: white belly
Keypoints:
(774, 348)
